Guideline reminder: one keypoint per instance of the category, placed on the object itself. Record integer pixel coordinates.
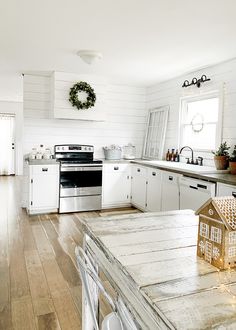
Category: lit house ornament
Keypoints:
(217, 232)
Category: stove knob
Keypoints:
(85, 148)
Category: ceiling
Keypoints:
(143, 42)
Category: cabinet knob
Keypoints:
(171, 178)
(138, 169)
(154, 173)
(44, 169)
(116, 168)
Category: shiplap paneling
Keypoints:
(223, 76)
(125, 119)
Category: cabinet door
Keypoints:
(116, 185)
(170, 191)
(139, 183)
(44, 188)
(154, 190)
(226, 190)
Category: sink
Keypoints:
(183, 166)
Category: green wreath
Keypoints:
(82, 86)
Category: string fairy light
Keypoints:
(225, 283)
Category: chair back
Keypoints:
(88, 272)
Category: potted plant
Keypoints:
(221, 156)
(232, 161)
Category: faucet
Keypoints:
(192, 160)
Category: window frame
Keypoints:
(165, 110)
(194, 98)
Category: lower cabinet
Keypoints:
(146, 188)
(170, 191)
(138, 187)
(226, 190)
(154, 185)
(116, 185)
(43, 183)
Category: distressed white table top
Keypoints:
(156, 254)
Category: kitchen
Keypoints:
(38, 245)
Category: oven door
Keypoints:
(78, 180)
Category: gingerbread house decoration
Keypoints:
(217, 232)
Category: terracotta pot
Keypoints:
(221, 162)
(232, 167)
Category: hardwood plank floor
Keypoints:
(40, 287)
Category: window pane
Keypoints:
(205, 139)
(157, 121)
(205, 109)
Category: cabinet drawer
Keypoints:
(45, 169)
(170, 177)
(139, 170)
(153, 172)
(116, 167)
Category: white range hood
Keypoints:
(61, 108)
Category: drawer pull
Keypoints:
(171, 178)
(116, 168)
(154, 173)
(138, 169)
(44, 169)
(234, 194)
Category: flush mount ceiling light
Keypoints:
(89, 56)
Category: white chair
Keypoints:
(111, 321)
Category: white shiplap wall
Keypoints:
(125, 118)
(223, 77)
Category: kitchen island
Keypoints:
(150, 260)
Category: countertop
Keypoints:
(42, 161)
(117, 161)
(150, 259)
(212, 177)
(226, 178)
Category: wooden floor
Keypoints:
(40, 287)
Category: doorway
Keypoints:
(7, 144)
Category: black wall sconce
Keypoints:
(196, 81)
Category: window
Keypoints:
(204, 230)
(155, 133)
(232, 252)
(232, 237)
(216, 234)
(201, 122)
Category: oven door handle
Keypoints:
(81, 169)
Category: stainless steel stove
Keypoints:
(80, 178)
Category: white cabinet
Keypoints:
(138, 190)
(43, 188)
(146, 188)
(170, 191)
(116, 185)
(226, 190)
(153, 198)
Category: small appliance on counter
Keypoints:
(129, 151)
